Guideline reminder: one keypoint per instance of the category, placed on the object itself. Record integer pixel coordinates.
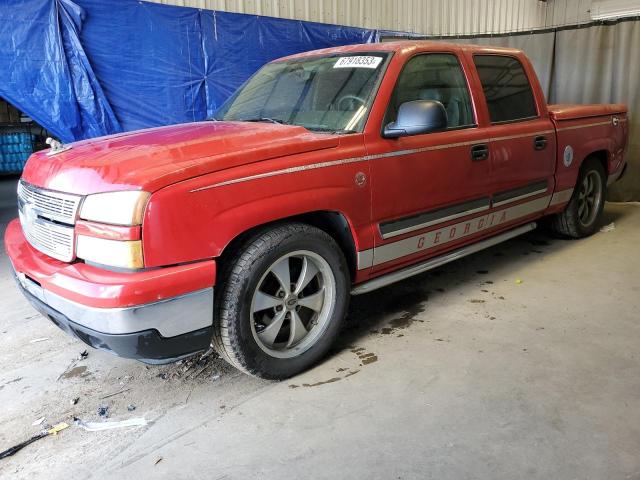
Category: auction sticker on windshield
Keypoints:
(361, 61)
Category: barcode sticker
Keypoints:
(361, 61)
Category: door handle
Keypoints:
(479, 152)
(540, 143)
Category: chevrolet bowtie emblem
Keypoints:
(30, 213)
(56, 147)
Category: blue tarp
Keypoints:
(85, 68)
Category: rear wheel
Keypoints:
(581, 216)
(281, 301)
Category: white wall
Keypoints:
(614, 8)
(432, 17)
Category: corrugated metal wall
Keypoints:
(432, 17)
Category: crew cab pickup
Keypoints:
(327, 174)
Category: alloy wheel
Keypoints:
(589, 198)
(292, 304)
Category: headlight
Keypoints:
(117, 208)
(114, 253)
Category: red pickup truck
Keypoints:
(328, 173)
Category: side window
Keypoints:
(506, 88)
(434, 76)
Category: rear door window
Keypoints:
(506, 88)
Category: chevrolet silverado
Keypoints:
(327, 174)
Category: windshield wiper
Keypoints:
(265, 119)
(322, 129)
(313, 128)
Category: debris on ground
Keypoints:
(38, 340)
(45, 433)
(58, 428)
(131, 408)
(99, 426)
(608, 228)
(518, 281)
(84, 354)
(202, 365)
(74, 401)
(158, 461)
(115, 393)
(103, 411)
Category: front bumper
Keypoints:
(147, 345)
(101, 308)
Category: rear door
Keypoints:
(522, 135)
(423, 183)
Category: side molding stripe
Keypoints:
(575, 127)
(346, 161)
(435, 238)
(521, 135)
(519, 193)
(432, 263)
(365, 259)
(562, 196)
(400, 226)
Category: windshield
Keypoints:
(331, 94)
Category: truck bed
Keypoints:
(583, 130)
(564, 111)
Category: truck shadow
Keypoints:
(396, 307)
(611, 216)
(391, 310)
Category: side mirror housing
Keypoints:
(417, 117)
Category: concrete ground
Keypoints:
(522, 361)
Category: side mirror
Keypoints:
(417, 117)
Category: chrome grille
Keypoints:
(48, 220)
(57, 206)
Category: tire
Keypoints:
(573, 222)
(253, 296)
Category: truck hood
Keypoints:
(154, 158)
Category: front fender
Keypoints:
(185, 224)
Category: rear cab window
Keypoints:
(506, 88)
(434, 76)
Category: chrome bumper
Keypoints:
(146, 345)
(170, 317)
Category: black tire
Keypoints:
(568, 223)
(234, 326)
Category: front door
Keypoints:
(424, 183)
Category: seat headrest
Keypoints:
(430, 94)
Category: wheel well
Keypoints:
(333, 223)
(603, 158)
(336, 225)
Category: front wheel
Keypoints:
(581, 216)
(281, 301)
